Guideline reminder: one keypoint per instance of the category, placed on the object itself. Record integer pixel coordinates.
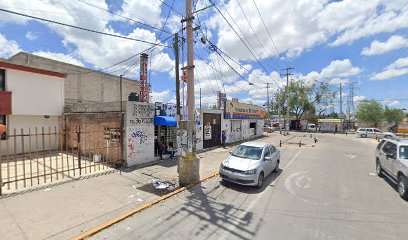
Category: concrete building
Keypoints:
(30, 98)
(82, 85)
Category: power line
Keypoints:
(84, 29)
(256, 35)
(263, 22)
(263, 67)
(127, 18)
(171, 7)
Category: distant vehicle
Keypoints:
(392, 158)
(250, 163)
(311, 126)
(374, 132)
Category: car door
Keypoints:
(274, 157)
(267, 163)
(370, 133)
(378, 133)
(393, 160)
(386, 163)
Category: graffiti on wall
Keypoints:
(139, 133)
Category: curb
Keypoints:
(103, 226)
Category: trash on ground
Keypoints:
(131, 196)
(161, 185)
(139, 200)
(47, 189)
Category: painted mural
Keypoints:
(139, 132)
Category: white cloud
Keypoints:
(337, 81)
(8, 47)
(391, 102)
(339, 68)
(359, 98)
(378, 48)
(145, 11)
(163, 96)
(395, 69)
(30, 36)
(60, 57)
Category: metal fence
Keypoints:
(40, 156)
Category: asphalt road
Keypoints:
(325, 192)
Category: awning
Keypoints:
(165, 121)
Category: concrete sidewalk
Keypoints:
(66, 210)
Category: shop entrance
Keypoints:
(211, 130)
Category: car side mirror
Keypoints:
(267, 158)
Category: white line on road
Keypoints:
(231, 228)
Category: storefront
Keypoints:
(165, 128)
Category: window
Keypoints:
(2, 80)
(273, 150)
(362, 129)
(390, 148)
(252, 125)
(380, 144)
(267, 152)
(3, 121)
(243, 151)
(403, 152)
(376, 130)
(369, 130)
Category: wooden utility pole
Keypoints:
(287, 74)
(267, 102)
(189, 164)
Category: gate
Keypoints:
(39, 156)
(211, 130)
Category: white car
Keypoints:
(374, 132)
(250, 163)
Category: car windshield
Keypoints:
(250, 152)
(403, 152)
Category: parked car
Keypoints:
(374, 132)
(250, 163)
(392, 158)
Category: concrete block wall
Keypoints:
(82, 84)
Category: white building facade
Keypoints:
(30, 98)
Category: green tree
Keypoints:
(303, 98)
(393, 115)
(370, 112)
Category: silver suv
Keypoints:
(374, 132)
(392, 159)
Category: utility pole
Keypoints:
(287, 74)
(200, 99)
(189, 164)
(279, 113)
(341, 101)
(176, 53)
(267, 103)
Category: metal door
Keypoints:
(211, 130)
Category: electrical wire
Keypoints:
(229, 24)
(84, 29)
(263, 22)
(121, 16)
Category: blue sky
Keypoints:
(365, 42)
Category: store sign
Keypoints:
(207, 131)
(237, 110)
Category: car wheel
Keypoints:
(363, 135)
(277, 166)
(402, 187)
(260, 180)
(378, 169)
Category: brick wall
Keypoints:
(99, 133)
